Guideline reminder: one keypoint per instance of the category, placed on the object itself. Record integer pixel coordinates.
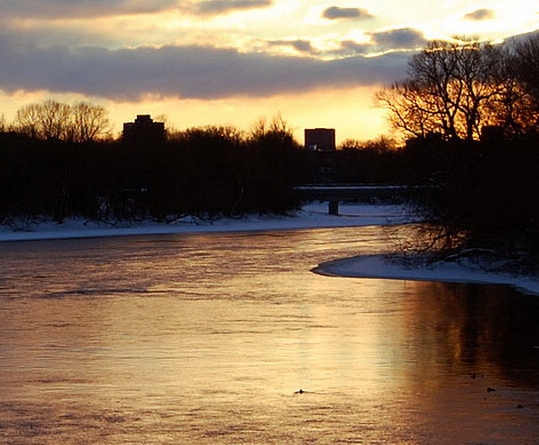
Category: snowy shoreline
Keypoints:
(309, 217)
(381, 267)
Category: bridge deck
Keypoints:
(333, 193)
(342, 192)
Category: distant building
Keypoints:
(144, 129)
(320, 139)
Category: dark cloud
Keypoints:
(480, 15)
(214, 7)
(301, 46)
(81, 8)
(404, 38)
(387, 41)
(335, 13)
(350, 47)
(182, 71)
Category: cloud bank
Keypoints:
(34, 56)
(214, 7)
(52, 9)
(82, 8)
(182, 71)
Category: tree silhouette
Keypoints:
(451, 90)
(525, 63)
(472, 110)
(88, 122)
(82, 122)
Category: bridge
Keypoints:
(334, 193)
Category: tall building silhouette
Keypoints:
(144, 129)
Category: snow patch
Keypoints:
(380, 266)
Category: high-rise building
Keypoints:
(144, 129)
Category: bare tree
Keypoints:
(27, 121)
(516, 111)
(410, 110)
(51, 119)
(277, 129)
(523, 70)
(447, 91)
(88, 122)
(525, 64)
(55, 119)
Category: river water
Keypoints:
(208, 339)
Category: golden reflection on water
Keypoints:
(207, 339)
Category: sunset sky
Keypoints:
(232, 62)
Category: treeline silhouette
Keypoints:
(478, 195)
(206, 172)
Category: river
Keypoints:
(231, 339)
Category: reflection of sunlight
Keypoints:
(365, 355)
(207, 339)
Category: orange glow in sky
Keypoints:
(218, 62)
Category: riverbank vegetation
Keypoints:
(48, 170)
(470, 111)
(203, 171)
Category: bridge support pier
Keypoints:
(333, 208)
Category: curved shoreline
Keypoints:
(378, 267)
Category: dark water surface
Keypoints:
(205, 339)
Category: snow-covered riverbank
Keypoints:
(378, 266)
(311, 216)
